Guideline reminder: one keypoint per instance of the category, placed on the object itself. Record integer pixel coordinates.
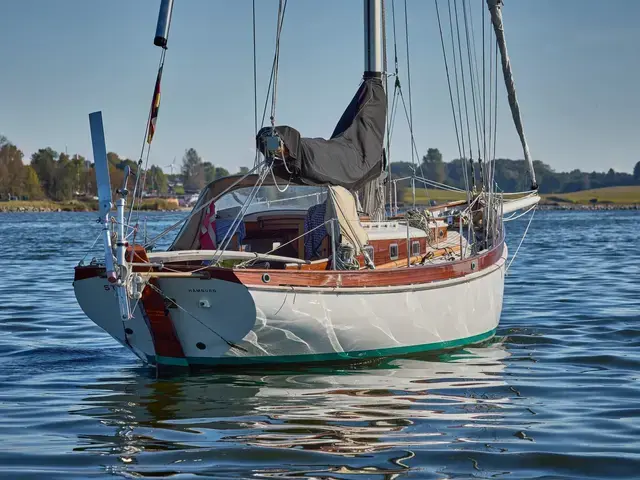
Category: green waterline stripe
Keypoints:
(173, 361)
(324, 357)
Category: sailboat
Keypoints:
(298, 260)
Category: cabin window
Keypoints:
(415, 249)
(393, 251)
(369, 250)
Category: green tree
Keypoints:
(11, 169)
(84, 175)
(433, 156)
(116, 178)
(209, 172)
(193, 174)
(433, 166)
(221, 172)
(64, 179)
(636, 173)
(44, 163)
(243, 170)
(157, 180)
(127, 162)
(31, 184)
(113, 159)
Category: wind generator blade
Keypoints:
(104, 198)
(100, 162)
(104, 188)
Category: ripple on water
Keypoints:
(554, 396)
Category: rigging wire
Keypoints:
(251, 261)
(485, 179)
(490, 115)
(433, 183)
(471, 75)
(406, 30)
(413, 142)
(273, 69)
(238, 220)
(495, 111)
(414, 148)
(446, 67)
(282, 5)
(271, 87)
(533, 212)
(180, 307)
(386, 93)
(516, 216)
(144, 142)
(474, 51)
(465, 171)
(255, 81)
(396, 87)
(197, 210)
(464, 85)
(484, 91)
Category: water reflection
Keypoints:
(393, 406)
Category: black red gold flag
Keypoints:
(155, 107)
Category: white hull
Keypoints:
(297, 324)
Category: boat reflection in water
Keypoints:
(387, 410)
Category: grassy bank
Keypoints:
(424, 196)
(159, 204)
(608, 196)
(611, 195)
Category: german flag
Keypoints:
(155, 107)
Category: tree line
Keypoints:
(61, 177)
(512, 175)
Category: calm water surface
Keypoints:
(556, 395)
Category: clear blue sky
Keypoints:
(576, 63)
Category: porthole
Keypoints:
(393, 251)
(201, 346)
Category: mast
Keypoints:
(164, 22)
(372, 38)
(495, 8)
(373, 192)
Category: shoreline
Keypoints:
(589, 207)
(50, 206)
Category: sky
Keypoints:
(576, 68)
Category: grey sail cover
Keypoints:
(351, 157)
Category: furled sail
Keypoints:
(373, 199)
(351, 157)
(495, 8)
